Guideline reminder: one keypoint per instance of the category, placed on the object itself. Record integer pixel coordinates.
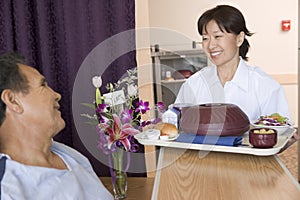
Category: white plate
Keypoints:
(168, 138)
(280, 129)
(150, 134)
(153, 134)
(245, 148)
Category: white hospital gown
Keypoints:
(78, 182)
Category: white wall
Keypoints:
(275, 51)
(267, 43)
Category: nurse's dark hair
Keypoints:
(11, 77)
(229, 19)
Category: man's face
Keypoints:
(40, 104)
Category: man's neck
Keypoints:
(28, 148)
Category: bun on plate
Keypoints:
(167, 129)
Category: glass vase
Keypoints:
(119, 176)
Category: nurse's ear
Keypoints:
(240, 38)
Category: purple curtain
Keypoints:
(56, 35)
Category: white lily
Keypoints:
(97, 81)
(132, 90)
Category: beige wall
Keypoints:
(145, 78)
(275, 51)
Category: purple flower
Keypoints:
(99, 111)
(103, 141)
(160, 106)
(155, 121)
(119, 132)
(126, 115)
(143, 124)
(100, 108)
(134, 147)
(142, 107)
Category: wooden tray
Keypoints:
(245, 148)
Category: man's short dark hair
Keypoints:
(11, 77)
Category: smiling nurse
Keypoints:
(231, 80)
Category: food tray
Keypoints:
(245, 148)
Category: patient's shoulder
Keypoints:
(70, 155)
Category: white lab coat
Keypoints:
(255, 92)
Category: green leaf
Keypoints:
(98, 97)
(89, 105)
(92, 123)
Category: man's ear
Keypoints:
(11, 100)
(240, 38)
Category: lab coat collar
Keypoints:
(212, 77)
(241, 76)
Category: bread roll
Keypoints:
(167, 129)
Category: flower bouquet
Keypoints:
(119, 117)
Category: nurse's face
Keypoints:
(222, 48)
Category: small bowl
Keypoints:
(164, 137)
(260, 139)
